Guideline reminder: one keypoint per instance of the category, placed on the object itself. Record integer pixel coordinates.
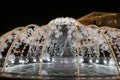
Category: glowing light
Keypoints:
(97, 61)
(34, 60)
(12, 61)
(61, 61)
(21, 61)
(105, 61)
(81, 60)
(111, 62)
(90, 61)
(41, 60)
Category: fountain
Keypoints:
(63, 47)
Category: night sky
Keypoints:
(42, 13)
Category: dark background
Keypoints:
(43, 12)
